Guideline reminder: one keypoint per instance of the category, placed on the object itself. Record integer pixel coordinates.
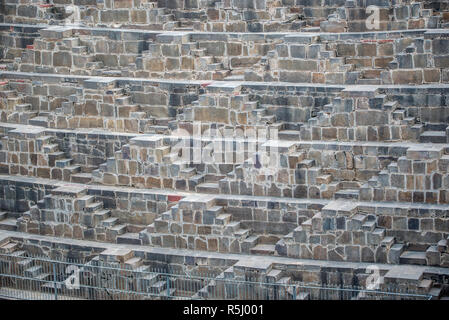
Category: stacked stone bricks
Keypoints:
(347, 99)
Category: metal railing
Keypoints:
(40, 278)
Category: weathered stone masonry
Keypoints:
(98, 100)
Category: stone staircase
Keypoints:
(423, 254)
(63, 167)
(198, 224)
(434, 133)
(175, 56)
(428, 162)
(19, 264)
(8, 221)
(140, 277)
(338, 224)
(68, 211)
(267, 283)
(40, 155)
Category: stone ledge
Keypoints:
(163, 194)
(189, 256)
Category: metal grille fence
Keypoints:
(41, 278)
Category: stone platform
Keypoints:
(289, 138)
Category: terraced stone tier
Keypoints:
(285, 140)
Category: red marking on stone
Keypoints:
(3, 83)
(46, 5)
(174, 198)
(20, 80)
(206, 84)
(30, 46)
(11, 28)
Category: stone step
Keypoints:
(50, 148)
(54, 156)
(274, 276)
(347, 194)
(231, 227)
(23, 107)
(421, 247)
(306, 163)
(94, 206)
(118, 229)
(369, 81)
(145, 282)
(33, 271)
(425, 152)
(166, 216)
(259, 113)
(110, 222)
(433, 137)
(290, 135)
(40, 121)
(223, 219)
(81, 177)
(307, 225)
(413, 257)
(369, 226)
(168, 293)
(18, 255)
(242, 233)
(3, 215)
(249, 243)
(43, 277)
(435, 292)
(8, 94)
(393, 167)
(324, 179)
(264, 249)
(268, 119)
(49, 287)
(398, 275)
(158, 287)
(284, 281)
(80, 50)
(211, 214)
(133, 263)
(129, 238)
(150, 229)
(100, 216)
(9, 247)
(187, 173)
(302, 295)
(433, 256)
(341, 207)
(215, 66)
(376, 236)
(116, 255)
(198, 52)
(70, 170)
(8, 224)
(24, 264)
(208, 187)
(442, 245)
(234, 78)
(399, 114)
(82, 202)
